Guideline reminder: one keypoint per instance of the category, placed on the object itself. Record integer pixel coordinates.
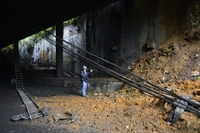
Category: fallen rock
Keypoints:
(197, 92)
(195, 73)
(166, 70)
(120, 99)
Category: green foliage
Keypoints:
(38, 36)
(8, 48)
(7, 51)
(194, 14)
(193, 33)
(71, 21)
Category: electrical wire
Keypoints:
(153, 89)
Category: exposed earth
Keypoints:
(174, 65)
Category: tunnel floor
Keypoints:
(126, 110)
(11, 104)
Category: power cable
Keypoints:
(142, 87)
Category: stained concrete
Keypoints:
(95, 84)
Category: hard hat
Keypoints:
(84, 67)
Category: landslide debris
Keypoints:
(175, 65)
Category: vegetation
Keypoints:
(193, 33)
(194, 14)
(8, 48)
(38, 36)
(7, 51)
(71, 21)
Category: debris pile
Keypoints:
(175, 65)
(25, 116)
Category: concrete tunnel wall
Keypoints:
(119, 32)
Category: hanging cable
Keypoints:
(126, 80)
(145, 86)
(127, 71)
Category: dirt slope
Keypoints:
(128, 110)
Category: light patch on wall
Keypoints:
(68, 60)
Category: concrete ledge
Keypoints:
(95, 84)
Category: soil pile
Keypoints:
(175, 65)
(174, 61)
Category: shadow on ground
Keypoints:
(11, 104)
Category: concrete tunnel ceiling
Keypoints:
(15, 15)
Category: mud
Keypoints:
(171, 66)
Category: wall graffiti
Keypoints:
(44, 52)
(68, 57)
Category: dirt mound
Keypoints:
(174, 61)
(175, 65)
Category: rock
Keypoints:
(196, 68)
(120, 99)
(164, 79)
(129, 67)
(155, 52)
(188, 124)
(74, 118)
(197, 92)
(166, 70)
(195, 56)
(58, 115)
(95, 94)
(195, 73)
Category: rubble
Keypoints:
(178, 110)
(129, 110)
(39, 113)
